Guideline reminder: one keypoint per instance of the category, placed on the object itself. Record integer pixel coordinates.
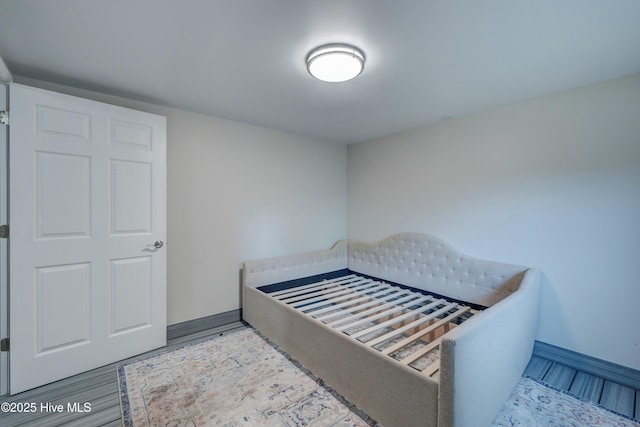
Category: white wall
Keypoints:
(237, 192)
(552, 183)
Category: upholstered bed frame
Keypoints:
(479, 361)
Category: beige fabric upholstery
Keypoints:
(280, 269)
(481, 360)
(393, 395)
(426, 262)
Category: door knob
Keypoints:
(158, 244)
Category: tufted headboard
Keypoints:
(426, 262)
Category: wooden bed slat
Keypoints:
(431, 369)
(317, 288)
(424, 350)
(311, 285)
(380, 290)
(358, 292)
(420, 334)
(387, 312)
(376, 305)
(361, 316)
(356, 311)
(394, 320)
(415, 323)
(327, 294)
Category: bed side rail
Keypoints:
(280, 269)
(483, 359)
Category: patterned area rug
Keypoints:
(240, 379)
(236, 379)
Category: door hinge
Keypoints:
(4, 231)
(4, 344)
(4, 117)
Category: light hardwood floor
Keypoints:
(100, 388)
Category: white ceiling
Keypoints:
(427, 60)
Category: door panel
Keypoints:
(87, 199)
(132, 136)
(63, 124)
(67, 286)
(131, 293)
(63, 195)
(131, 198)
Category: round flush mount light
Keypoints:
(335, 62)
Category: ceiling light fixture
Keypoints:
(335, 62)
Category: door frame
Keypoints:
(5, 79)
(4, 251)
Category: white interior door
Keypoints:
(87, 203)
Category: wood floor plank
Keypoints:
(618, 398)
(559, 376)
(203, 335)
(56, 391)
(104, 411)
(537, 368)
(93, 396)
(587, 387)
